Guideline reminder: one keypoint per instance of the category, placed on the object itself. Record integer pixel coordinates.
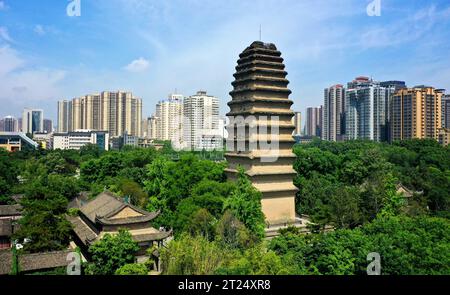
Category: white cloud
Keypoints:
(45, 30)
(39, 29)
(405, 30)
(10, 60)
(23, 85)
(138, 65)
(4, 34)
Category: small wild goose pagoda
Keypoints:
(260, 132)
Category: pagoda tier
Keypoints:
(261, 130)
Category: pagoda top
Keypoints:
(260, 44)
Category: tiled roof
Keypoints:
(5, 227)
(17, 198)
(106, 205)
(82, 230)
(102, 205)
(5, 261)
(33, 262)
(38, 261)
(10, 210)
(153, 236)
(128, 220)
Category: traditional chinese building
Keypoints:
(9, 216)
(260, 130)
(107, 214)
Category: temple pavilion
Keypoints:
(107, 214)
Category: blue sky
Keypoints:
(152, 47)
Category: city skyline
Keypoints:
(339, 38)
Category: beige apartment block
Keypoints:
(415, 113)
(169, 119)
(115, 112)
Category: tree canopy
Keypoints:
(111, 253)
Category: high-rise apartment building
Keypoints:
(48, 126)
(32, 121)
(115, 112)
(333, 125)
(297, 121)
(152, 127)
(314, 121)
(9, 124)
(169, 122)
(416, 113)
(149, 127)
(64, 116)
(390, 88)
(445, 110)
(201, 122)
(366, 105)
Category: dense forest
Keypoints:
(218, 225)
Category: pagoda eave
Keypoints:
(291, 113)
(269, 100)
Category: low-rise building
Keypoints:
(44, 139)
(119, 142)
(304, 139)
(16, 141)
(75, 140)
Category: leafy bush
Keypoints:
(132, 269)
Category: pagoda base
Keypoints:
(300, 222)
(279, 209)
